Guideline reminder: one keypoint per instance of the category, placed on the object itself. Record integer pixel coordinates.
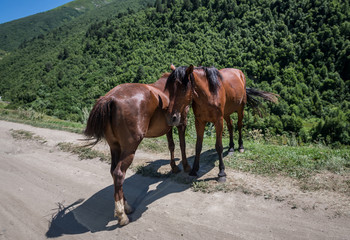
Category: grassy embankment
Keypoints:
(265, 155)
(36, 119)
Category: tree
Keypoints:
(140, 75)
(64, 54)
(195, 4)
(187, 5)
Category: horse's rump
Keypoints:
(99, 117)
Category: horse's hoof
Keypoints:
(241, 150)
(119, 212)
(128, 209)
(222, 179)
(123, 221)
(230, 152)
(187, 168)
(175, 169)
(193, 174)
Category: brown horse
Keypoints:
(124, 116)
(215, 96)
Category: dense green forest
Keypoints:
(298, 49)
(17, 32)
(13, 33)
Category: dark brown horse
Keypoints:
(124, 116)
(215, 95)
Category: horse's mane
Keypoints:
(178, 73)
(213, 76)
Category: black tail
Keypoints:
(98, 119)
(253, 102)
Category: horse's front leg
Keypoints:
(219, 149)
(200, 126)
(121, 206)
(231, 147)
(182, 129)
(240, 125)
(171, 146)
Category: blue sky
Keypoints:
(14, 9)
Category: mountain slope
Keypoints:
(299, 50)
(13, 33)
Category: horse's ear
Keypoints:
(172, 67)
(189, 70)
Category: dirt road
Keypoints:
(47, 193)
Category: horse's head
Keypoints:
(179, 86)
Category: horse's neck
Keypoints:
(201, 94)
(159, 84)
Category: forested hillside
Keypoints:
(298, 49)
(13, 33)
(17, 32)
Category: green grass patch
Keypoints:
(149, 171)
(26, 135)
(201, 186)
(154, 170)
(206, 186)
(82, 151)
(296, 162)
(36, 119)
(159, 144)
(266, 155)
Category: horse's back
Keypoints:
(139, 110)
(132, 109)
(233, 79)
(235, 88)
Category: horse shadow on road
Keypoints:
(96, 213)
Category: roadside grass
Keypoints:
(149, 171)
(265, 155)
(159, 144)
(26, 135)
(313, 166)
(36, 119)
(296, 162)
(205, 186)
(83, 152)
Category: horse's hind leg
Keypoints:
(231, 147)
(240, 125)
(115, 154)
(121, 206)
(171, 146)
